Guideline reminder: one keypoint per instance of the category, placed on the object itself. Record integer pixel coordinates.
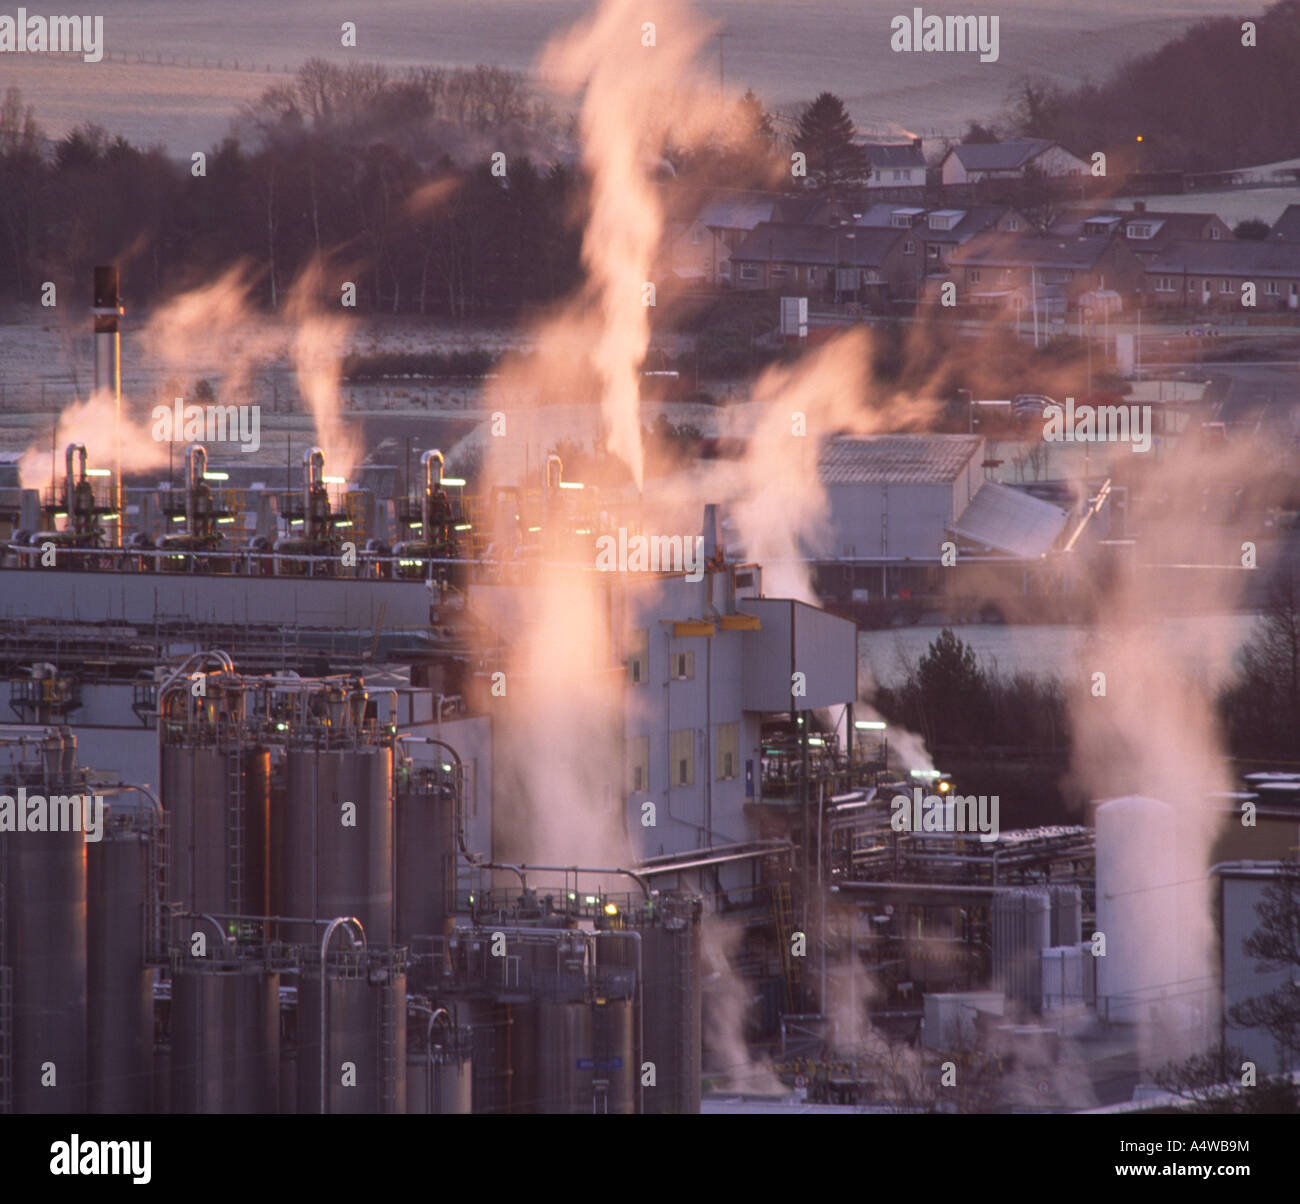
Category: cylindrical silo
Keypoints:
(217, 801)
(120, 869)
(43, 876)
(425, 836)
(439, 1072)
(580, 1059)
(225, 1037)
(364, 1066)
(333, 844)
(1136, 906)
(492, 1035)
(1022, 929)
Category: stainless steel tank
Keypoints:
(439, 1068)
(217, 801)
(120, 868)
(491, 1025)
(330, 860)
(579, 1058)
(425, 838)
(225, 1037)
(44, 884)
(365, 1023)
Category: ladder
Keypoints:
(388, 1068)
(782, 914)
(234, 832)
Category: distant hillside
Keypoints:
(1201, 103)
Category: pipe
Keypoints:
(196, 464)
(337, 922)
(555, 460)
(589, 869)
(69, 482)
(431, 484)
(633, 934)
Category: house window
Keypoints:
(1215, 233)
(683, 666)
(1164, 284)
(638, 764)
(933, 250)
(1004, 275)
(681, 755)
(1058, 276)
(638, 657)
(1225, 286)
(728, 750)
(909, 247)
(778, 273)
(899, 175)
(1013, 224)
(901, 221)
(697, 236)
(749, 271)
(1270, 287)
(972, 277)
(1139, 230)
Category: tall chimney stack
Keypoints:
(107, 310)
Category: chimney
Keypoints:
(107, 310)
(1139, 206)
(710, 532)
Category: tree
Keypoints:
(1252, 228)
(951, 687)
(1211, 1082)
(1261, 709)
(825, 136)
(977, 133)
(1276, 945)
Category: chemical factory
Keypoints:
(285, 823)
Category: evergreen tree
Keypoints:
(825, 136)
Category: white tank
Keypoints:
(1137, 907)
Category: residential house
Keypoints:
(1052, 274)
(784, 257)
(1287, 227)
(894, 166)
(969, 163)
(1192, 274)
(703, 228)
(1147, 232)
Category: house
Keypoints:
(1197, 273)
(968, 163)
(1147, 233)
(779, 256)
(894, 165)
(702, 230)
(1287, 227)
(1053, 273)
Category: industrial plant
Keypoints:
(290, 825)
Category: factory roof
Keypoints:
(896, 459)
(1010, 521)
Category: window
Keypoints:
(933, 250)
(972, 277)
(1058, 276)
(728, 751)
(778, 273)
(909, 247)
(638, 765)
(1215, 233)
(697, 236)
(683, 666)
(1225, 286)
(681, 754)
(1013, 224)
(749, 271)
(1139, 230)
(901, 221)
(1164, 284)
(899, 175)
(1270, 287)
(638, 657)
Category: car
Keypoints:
(1031, 405)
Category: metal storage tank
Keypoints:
(1022, 929)
(225, 1037)
(580, 1058)
(121, 869)
(1137, 906)
(425, 840)
(365, 1022)
(439, 1070)
(671, 1024)
(492, 1032)
(43, 884)
(325, 869)
(218, 807)
(1067, 914)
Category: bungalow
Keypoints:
(970, 162)
(1020, 270)
(779, 256)
(1147, 232)
(1211, 274)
